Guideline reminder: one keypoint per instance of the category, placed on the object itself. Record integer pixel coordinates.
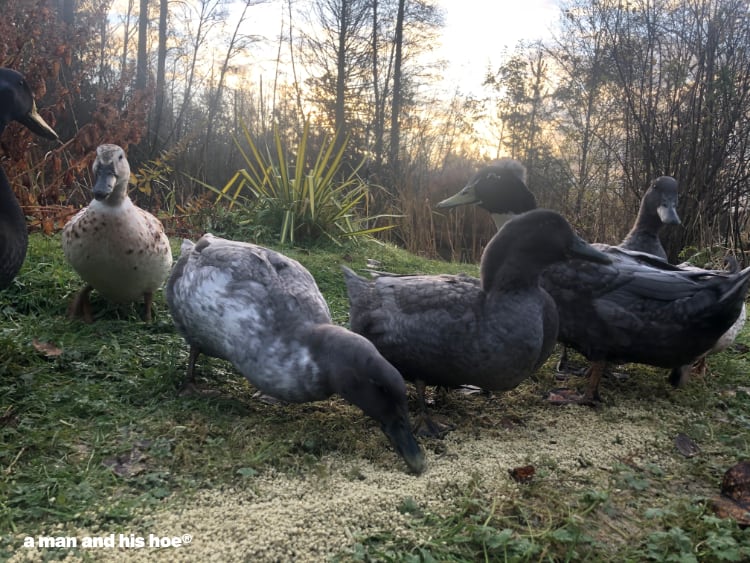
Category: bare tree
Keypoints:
(141, 73)
(397, 95)
(237, 43)
(161, 81)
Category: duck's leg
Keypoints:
(148, 302)
(80, 307)
(188, 384)
(680, 376)
(562, 363)
(595, 372)
(565, 396)
(425, 426)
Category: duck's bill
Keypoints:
(466, 196)
(583, 250)
(403, 441)
(668, 215)
(37, 125)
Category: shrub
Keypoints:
(296, 201)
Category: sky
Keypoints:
(475, 35)
(477, 32)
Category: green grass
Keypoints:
(111, 393)
(97, 432)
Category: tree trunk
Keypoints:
(141, 72)
(398, 40)
(161, 60)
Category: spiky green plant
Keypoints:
(296, 200)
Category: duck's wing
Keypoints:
(643, 310)
(414, 315)
(381, 305)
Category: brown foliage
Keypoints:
(46, 50)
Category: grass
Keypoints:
(92, 431)
(81, 403)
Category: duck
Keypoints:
(658, 208)
(455, 330)
(117, 248)
(638, 309)
(727, 339)
(263, 312)
(16, 104)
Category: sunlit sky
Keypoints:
(477, 32)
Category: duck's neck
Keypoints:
(647, 222)
(644, 236)
(119, 195)
(501, 218)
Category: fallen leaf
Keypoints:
(47, 349)
(686, 446)
(522, 474)
(727, 508)
(127, 464)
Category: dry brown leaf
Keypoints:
(47, 349)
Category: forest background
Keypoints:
(619, 93)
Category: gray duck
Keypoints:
(637, 309)
(263, 312)
(453, 331)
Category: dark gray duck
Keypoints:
(454, 330)
(16, 104)
(264, 313)
(638, 309)
(658, 208)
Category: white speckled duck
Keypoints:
(16, 104)
(117, 248)
(263, 312)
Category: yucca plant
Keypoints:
(295, 200)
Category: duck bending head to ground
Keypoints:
(16, 104)
(455, 330)
(638, 309)
(264, 313)
(117, 248)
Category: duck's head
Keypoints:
(661, 199)
(530, 242)
(499, 188)
(361, 375)
(112, 172)
(17, 104)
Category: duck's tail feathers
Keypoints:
(186, 246)
(354, 282)
(738, 289)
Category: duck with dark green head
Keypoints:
(16, 104)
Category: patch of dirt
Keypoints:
(273, 516)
